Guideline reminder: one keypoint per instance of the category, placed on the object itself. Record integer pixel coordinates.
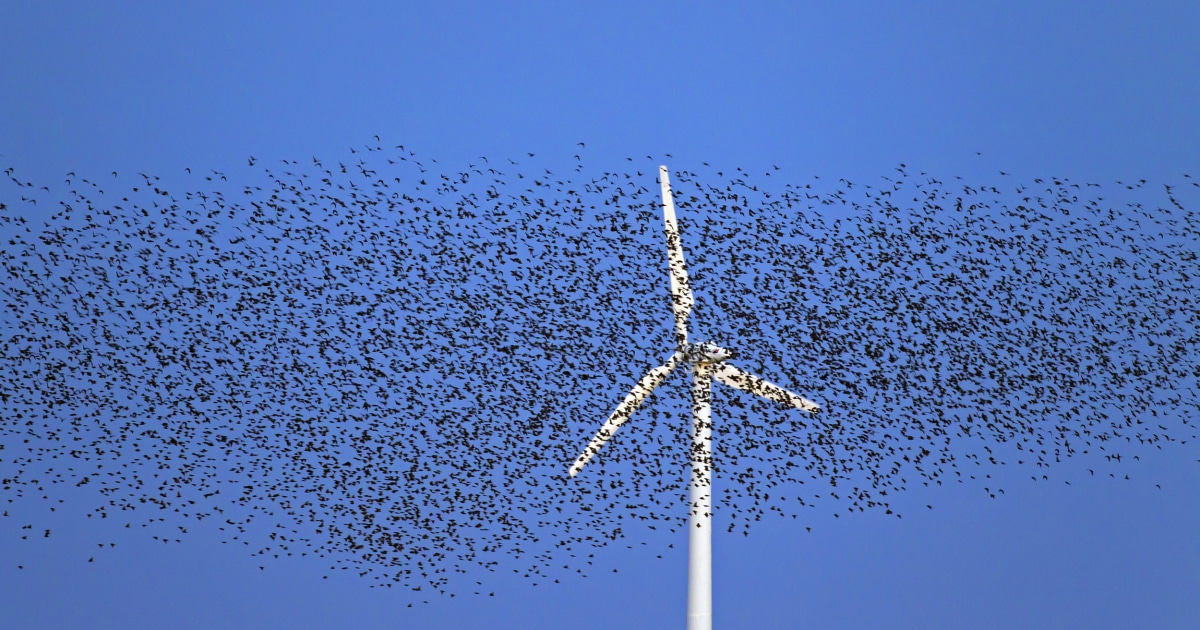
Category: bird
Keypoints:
(383, 364)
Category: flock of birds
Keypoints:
(390, 365)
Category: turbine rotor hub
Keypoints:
(704, 352)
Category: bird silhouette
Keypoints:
(388, 364)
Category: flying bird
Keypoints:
(388, 364)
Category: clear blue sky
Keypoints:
(1092, 91)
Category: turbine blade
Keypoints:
(632, 401)
(681, 290)
(742, 380)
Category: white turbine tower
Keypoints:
(708, 362)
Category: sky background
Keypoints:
(1093, 91)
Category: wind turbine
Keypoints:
(707, 362)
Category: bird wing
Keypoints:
(632, 401)
(681, 290)
(742, 380)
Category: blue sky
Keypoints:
(1092, 91)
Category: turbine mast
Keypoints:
(699, 603)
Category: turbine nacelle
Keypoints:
(705, 353)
